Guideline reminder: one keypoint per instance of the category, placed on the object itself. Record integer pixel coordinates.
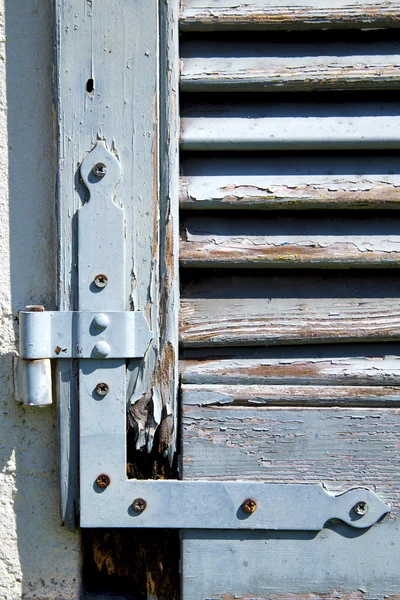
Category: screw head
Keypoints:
(361, 508)
(139, 505)
(103, 481)
(101, 280)
(102, 389)
(249, 505)
(100, 169)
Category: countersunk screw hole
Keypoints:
(102, 389)
(249, 505)
(139, 505)
(103, 481)
(101, 280)
(361, 508)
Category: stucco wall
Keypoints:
(38, 558)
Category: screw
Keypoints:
(249, 505)
(101, 280)
(100, 169)
(139, 505)
(103, 481)
(102, 389)
(361, 508)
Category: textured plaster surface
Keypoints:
(38, 558)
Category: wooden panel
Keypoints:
(288, 14)
(309, 240)
(288, 74)
(337, 446)
(265, 182)
(335, 564)
(340, 447)
(329, 371)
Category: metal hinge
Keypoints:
(91, 333)
(102, 336)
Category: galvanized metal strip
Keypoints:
(77, 334)
(222, 505)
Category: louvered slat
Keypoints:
(287, 14)
(298, 183)
(294, 72)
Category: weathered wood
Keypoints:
(301, 309)
(288, 74)
(311, 241)
(329, 371)
(340, 447)
(288, 14)
(271, 183)
(290, 395)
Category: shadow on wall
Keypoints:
(48, 554)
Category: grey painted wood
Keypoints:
(287, 14)
(331, 370)
(294, 72)
(108, 47)
(311, 241)
(273, 183)
(332, 565)
(340, 447)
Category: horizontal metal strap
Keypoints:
(83, 335)
(225, 505)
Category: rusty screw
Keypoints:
(103, 481)
(100, 169)
(361, 508)
(139, 505)
(249, 506)
(102, 389)
(101, 280)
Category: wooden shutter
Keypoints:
(289, 256)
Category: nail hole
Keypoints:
(90, 87)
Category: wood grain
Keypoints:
(376, 370)
(283, 14)
(309, 240)
(305, 74)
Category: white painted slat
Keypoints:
(288, 14)
(312, 132)
(290, 74)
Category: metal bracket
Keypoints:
(93, 332)
(102, 335)
(225, 505)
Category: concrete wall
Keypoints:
(38, 558)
